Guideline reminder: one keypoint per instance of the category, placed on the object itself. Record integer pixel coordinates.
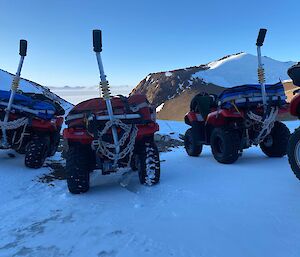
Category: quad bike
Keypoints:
(294, 142)
(30, 123)
(238, 118)
(109, 133)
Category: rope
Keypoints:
(266, 125)
(14, 124)
(20, 141)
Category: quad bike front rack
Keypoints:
(14, 86)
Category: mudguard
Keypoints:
(192, 117)
(295, 106)
(223, 117)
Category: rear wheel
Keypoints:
(36, 152)
(276, 143)
(148, 164)
(294, 152)
(192, 147)
(225, 145)
(78, 168)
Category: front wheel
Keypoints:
(276, 143)
(225, 145)
(148, 164)
(294, 152)
(192, 147)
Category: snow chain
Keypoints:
(267, 124)
(105, 148)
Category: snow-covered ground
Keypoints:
(200, 208)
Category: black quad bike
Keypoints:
(30, 123)
(109, 133)
(238, 118)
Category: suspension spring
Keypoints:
(105, 89)
(261, 75)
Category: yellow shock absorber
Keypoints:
(15, 83)
(261, 75)
(105, 89)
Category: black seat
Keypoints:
(294, 73)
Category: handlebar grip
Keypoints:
(23, 47)
(97, 40)
(261, 37)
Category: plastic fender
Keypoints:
(44, 125)
(192, 117)
(77, 135)
(146, 130)
(220, 118)
(294, 106)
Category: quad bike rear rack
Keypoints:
(129, 116)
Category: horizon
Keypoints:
(136, 44)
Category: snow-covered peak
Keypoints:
(241, 69)
(216, 64)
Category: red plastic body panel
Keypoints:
(294, 105)
(221, 117)
(191, 116)
(43, 125)
(47, 125)
(83, 137)
(77, 135)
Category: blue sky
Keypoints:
(139, 37)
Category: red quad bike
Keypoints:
(238, 118)
(30, 123)
(109, 133)
(294, 142)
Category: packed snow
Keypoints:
(200, 208)
(168, 74)
(159, 108)
(241, 69)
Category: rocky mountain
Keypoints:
(172, 91)
(28, 86)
